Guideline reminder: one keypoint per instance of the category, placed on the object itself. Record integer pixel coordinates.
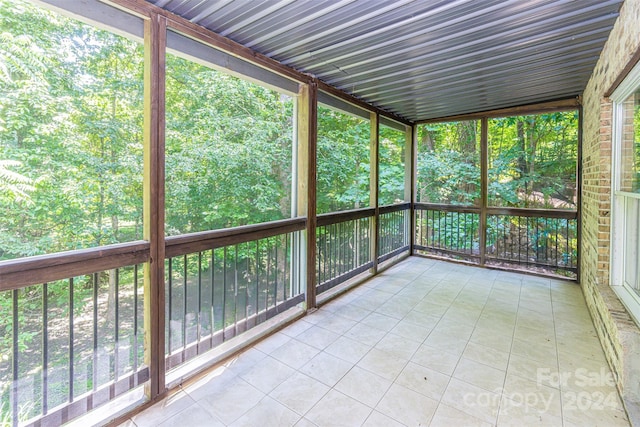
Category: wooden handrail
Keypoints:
(350, 215)
(526, 212)
(395, 208)
(201, 241)
(19, 273)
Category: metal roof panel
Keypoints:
(423, 59)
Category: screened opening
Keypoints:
(391, 165)
(343, 160)
(448, 163)
(228, 150)
(533, 160)
(70, 134)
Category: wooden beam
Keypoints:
(374, 165)
(412, 152)
(188, 28)
(544, 107)
(153, 202)
(307, 145)
(484, 185)
(360, 103)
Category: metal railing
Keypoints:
(393, 231)
(73, 343)
(448, 230)
(534, 239)
(219, 284)
(540, 240)
(343, 246)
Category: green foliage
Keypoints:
(229, 150)
(533, 160)
(70, 134)
(343, 161)
(391, 169)
(449, 163)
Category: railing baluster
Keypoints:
(257, 309)
(235, 289)
(199, 313)
(95, 332)
(213, 292)
(287, 258)
(15, 361)
(45, 347)
(71, 355)
(569, 254)
(170, 299)
(185, 276)
(135, 322)
(275, 280)
(116, 334)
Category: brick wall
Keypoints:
(618, 333)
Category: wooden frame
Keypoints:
(540, 107)
(153, 211)
(374, 166)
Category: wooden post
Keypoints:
(374, 161)
(153, 202)
(484, 162)
(409, 181)
(307, 144)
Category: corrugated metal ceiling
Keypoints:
(422, 59)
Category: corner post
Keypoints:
(153, 202)
(307, 125)
(374, 162)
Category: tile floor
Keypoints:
(425, 343)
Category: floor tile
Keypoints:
(475, 401)
(411, 331)
(296, 328)
(294, 353)
(164, 410)
(269, 344)
(492, 339)
(407, 406)
(317, 337)
(436, 359)
(268, 374)
(523, 412)
(423, 380)
(380, 322)
(267, 413)
(579, 410)
(425, 342)
(486, 355)
(376, 419)
(193, 416)
(336, 409)
(364, 386)
(326, 368)
(483, 376)
(381, 363)
(365, 334)
(230, 403)
(299, 392)
(447, 416)
(397, 346)
(347, 349)
(533, 396)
